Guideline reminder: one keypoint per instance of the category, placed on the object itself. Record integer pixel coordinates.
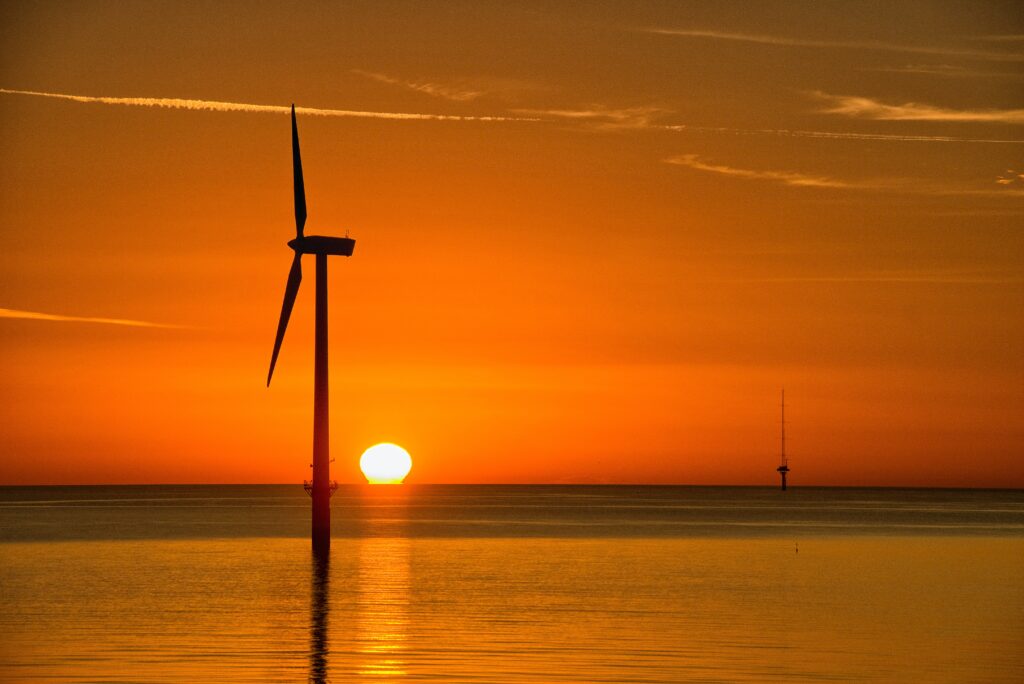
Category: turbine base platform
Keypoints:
(308, 486)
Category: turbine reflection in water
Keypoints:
(319, 606)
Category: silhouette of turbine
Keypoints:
(321, 487)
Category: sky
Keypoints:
(594, 241)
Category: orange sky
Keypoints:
(685, 208)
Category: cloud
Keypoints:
(797, 179)
(460, 90)
(602, 117)
(36, 316)
(833, 135)
(217, 106)
(1011, 177)
(868, 108)
(894, 277)
(764, 39)
(949, 71)
(980, 212)
(447, 92)
(1005, 38)
(785, 177)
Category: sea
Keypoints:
(511, 584)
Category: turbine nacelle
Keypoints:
(322, 244)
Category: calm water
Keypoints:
(512, 584)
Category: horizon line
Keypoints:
(518, 484)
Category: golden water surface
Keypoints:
(392, 609)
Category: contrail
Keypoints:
(36, 316)
(548, 116)
(217, 106)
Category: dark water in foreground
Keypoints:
(512, 584)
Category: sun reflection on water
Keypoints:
(383, 602)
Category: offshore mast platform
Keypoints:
(784, 463)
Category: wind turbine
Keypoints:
(321, 487)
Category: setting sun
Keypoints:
(385, 464)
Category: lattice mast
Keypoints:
(783, 461)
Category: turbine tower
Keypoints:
(321, 487)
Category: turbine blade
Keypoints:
(290, 290)
(300, 188)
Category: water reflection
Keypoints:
(319, 606)
(380, 582)
(383, 598)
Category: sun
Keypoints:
(385, 463)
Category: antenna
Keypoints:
(783, 427)
(784, 464)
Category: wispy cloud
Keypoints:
(446, 91)
(218, 106)
(833, 135)
(986, 212)
(949, 71)
(647, 118)
(602, 117)
(1011, 177)
(605, 118)
(785, 41)
(894, 278)
(1004, 38)
(804, 180)
(785, 177)
(456, 90)
(868, 108)
(37, 316)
